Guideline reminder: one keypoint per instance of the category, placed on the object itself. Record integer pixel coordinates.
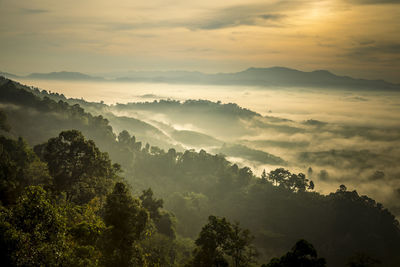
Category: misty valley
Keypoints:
(97, 173)
(200, 133)
(335, 136)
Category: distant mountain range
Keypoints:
(62, 75)
(265, 77)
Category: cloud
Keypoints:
(272, 16)
(211, 19)
(375, 52)
(33, 10)
(374, 2)
(235, 16)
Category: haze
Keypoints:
(360, 38)
(200, 133)
(349, 137)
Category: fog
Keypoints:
(297, 104)
(347, 137)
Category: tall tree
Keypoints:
(162, 219)
(264, 177)
(127, 222)
(79, 168)
(219, 240)
(239, 246)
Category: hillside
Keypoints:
(278, 208)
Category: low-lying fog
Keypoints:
(346, 137)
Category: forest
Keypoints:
(75, 191)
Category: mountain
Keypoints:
(274, 76)
(9, 75)
(279, 76)
(63, 75)
(265, 77)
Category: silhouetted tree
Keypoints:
(342, 188)
(264, 177)
(362, 260)
(310, 172)
(303, 254)
(124, 137)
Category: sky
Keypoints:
(358, 38)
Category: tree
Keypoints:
(220, 241)
(211, 243)
(362, 260)
(293, 182)
(303, 254)
(85, 228)
(127, 222)
(162, 220)
(342, 188)
(3, 122)
(278, 176)
(264, 177)
(159, 250)
(124, 137)
(151, 204)
(19, 167)
(79, 168)
(311, 186)
(32, 233)
(244, 177)
(239, 246)
(166, 225)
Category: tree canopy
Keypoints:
(79, 168)
(303, 254)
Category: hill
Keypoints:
(279, 208)
(263, 77)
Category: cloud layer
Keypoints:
(353, 37)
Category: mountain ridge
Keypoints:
(265, 77)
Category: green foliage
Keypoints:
(19, 167)
(239, 246)
(277, 209)
(127, 223)
(33, 231)
(38, 118)
(79, 168)
(166, 225)
(294, 182)
(151, 204)
(85, 229)
(159, 250)
(220, 242)
(191, 209)
(162, 219)
(303, 254)
(3, 122)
